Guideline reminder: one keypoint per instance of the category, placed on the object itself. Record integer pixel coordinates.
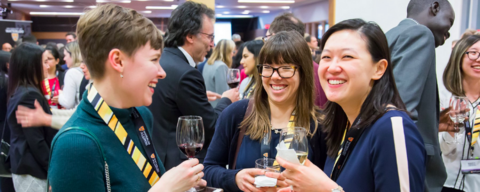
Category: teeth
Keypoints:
(153, 85)
(476, 67)
(336, 82)
(278, 87)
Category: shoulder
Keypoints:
(74, 71)
(391, 122)
(81, 142)
(415, 34)
(27, 93)
(236, 109)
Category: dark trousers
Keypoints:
(7, 185)
(446, 189)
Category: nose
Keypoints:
(161, 73)
(334, 67)
(275, 75)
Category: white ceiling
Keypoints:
(75, 7)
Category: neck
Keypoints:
(107, 88)
(281, 110)
(189, 50)
(471, 88)
(51, 73)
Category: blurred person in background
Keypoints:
(215, 71)
(51, 84)
(6, 183)
(312, 43)
(70, 96)
(29, 148)
(70, 36)
(6, 47)
(236, 37)
(249, 61)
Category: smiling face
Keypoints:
(441, 24)
(140, 75)
(69, 38)
(281, 90)
(203, 41)
(471, 68)
(248, 61)
(347, 71)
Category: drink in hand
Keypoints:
(302, 156)
(190, 150)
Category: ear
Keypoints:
(57, 61)
(380, 68)
(115, 58)
(435, 8)
(189, 38)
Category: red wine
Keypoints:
(190, 150)
(233, 84)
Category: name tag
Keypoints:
(470, 166)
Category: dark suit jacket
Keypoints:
(413, 59)
(29, 147)
(181, 93)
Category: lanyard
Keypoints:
(265, 147)
(249, 91)
(350, 139)
(152, 174)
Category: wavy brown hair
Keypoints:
(284, 48)
(453, 74)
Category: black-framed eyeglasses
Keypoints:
(473, 55)
(210, 36)
(283, 71)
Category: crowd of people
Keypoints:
(100, 113)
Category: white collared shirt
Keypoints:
(189, 58)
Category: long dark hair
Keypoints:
(238, 57)
(254, 47)
(383, 93)
(26, 67)
(53, 50)
(284, 47)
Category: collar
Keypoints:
(412, 20)
(189, 58)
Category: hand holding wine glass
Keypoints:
(459, 111)
(296, 139)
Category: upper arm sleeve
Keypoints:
(413, 56)
(192, 100)
(76, 164)
(35, 136)
(60, 117)
(398, 156)
(221, 79)
(69, 95)
(217, 157)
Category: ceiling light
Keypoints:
(169, 0)
(246, 12)
(220, 6)
(266, 1)
(264, 7)
(285, 7)
(242, 7)
(148, 12)
(41, 0)
(162, 7)
(110, 1)
(92, 6)
(45, 0)
(44, 6)
(68, 6)
(55, 13)
(266, 11)
(226, 12)
(219, 15)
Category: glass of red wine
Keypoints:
(233, 78)
(190, 135)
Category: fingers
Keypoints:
(286, 164)
(202, 183)
(308, 163)
(286, 189)
(251, 188)
(197, 168)
(37, 104)
(274, 175)
(190, 163)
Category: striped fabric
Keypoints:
(111, 120)
(476, 127)
(47, 87)
(401, 153)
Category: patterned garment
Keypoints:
(28, 183)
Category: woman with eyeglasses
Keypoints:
(70, 96)
(283, 98)
(373, 145)
(462, 78)
(51, 84)
(249, 62)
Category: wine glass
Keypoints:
(296, 139)
(458, 112)
(233, 78)
(190, 135)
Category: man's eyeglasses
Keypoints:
(473, 55)
(210, 36)
(284, 71)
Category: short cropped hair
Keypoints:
(417, 6)
(72, 34)
(287, 22)
(111, 26)
(308, 38)
(30, 39)
(186, 19)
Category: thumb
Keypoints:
(308, 163)
(37, 105)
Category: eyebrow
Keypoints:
(344, 49)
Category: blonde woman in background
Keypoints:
(215, 73)
(69, 97)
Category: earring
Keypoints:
(121, 75)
